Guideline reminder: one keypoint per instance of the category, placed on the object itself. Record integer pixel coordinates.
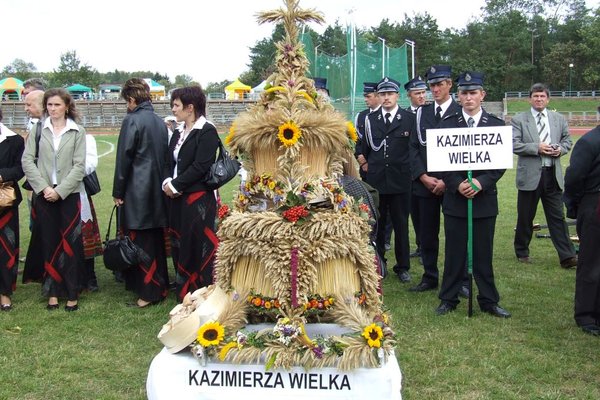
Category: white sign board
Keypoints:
(463, 149)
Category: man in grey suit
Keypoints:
(540, 138)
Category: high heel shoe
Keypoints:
(51, 307)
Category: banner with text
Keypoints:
(462, 149)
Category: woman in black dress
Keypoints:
(192, 206)
(11, 149)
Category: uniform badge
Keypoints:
(432, 70)
(468, 77)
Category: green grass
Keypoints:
(562, 105)
(103, 351)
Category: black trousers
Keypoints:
(456, 259)
(429, 216)
(587, 280)
(527, 201)
(398, 206)
(415, 217)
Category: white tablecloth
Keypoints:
(180, 376)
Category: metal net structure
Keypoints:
(364, 61)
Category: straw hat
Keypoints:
(186, 318)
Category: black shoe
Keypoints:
(570, 262)
(464, 292)
(172, 286)
(71, 308)
(404, 276)
(51, 307)
(496, 311)
(524, 260)
(416, 253)
(6, 307)
(423, 287)
(444, 308)
(92, 285)
(591, 329)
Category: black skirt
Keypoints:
(9, 250)
(193, 240)
(56, 245)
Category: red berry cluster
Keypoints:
(295, 213)
(223, 211)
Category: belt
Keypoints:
(547, 168)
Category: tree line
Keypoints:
(514, 42)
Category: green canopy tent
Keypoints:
(11, 85)
(78, 90)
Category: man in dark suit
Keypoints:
(373, 102)
(416, 90)
(428, 188)
(582, 196)
(540, 138)
(484, 195)
(385, 149)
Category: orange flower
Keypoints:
(256, 301)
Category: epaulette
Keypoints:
(495, 117)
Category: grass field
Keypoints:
(103, 351)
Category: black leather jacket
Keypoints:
(140, 169)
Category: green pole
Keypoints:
(470, 243)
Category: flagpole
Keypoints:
(470, 243)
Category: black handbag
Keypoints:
(223, 170)
(91, 183)
(119, 253)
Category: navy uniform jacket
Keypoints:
(389, 168)
(418, 152)
(485, 203)
(359, 123)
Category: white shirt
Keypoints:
(475, 117)
(56, 139)
(444, 106)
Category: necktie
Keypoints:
(387, 119)
(471, 122)
(543, 132)
(438, 114)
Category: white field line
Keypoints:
(112, 148)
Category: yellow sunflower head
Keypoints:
(230, 136)
(373, 334)
(211, 334)
(351, 130)
(289, 134)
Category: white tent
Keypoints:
(260, 87)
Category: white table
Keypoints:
(180, 376)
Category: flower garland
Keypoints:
(287, 344)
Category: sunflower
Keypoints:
(373, 334)
(230, 136)
(351, 130)
(289, 134)
(211, 333)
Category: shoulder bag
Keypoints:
(223, 170)
(119, 253)
(7, 195)
(91, 183)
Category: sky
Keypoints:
(207, 40)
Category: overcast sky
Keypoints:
(207, 40)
